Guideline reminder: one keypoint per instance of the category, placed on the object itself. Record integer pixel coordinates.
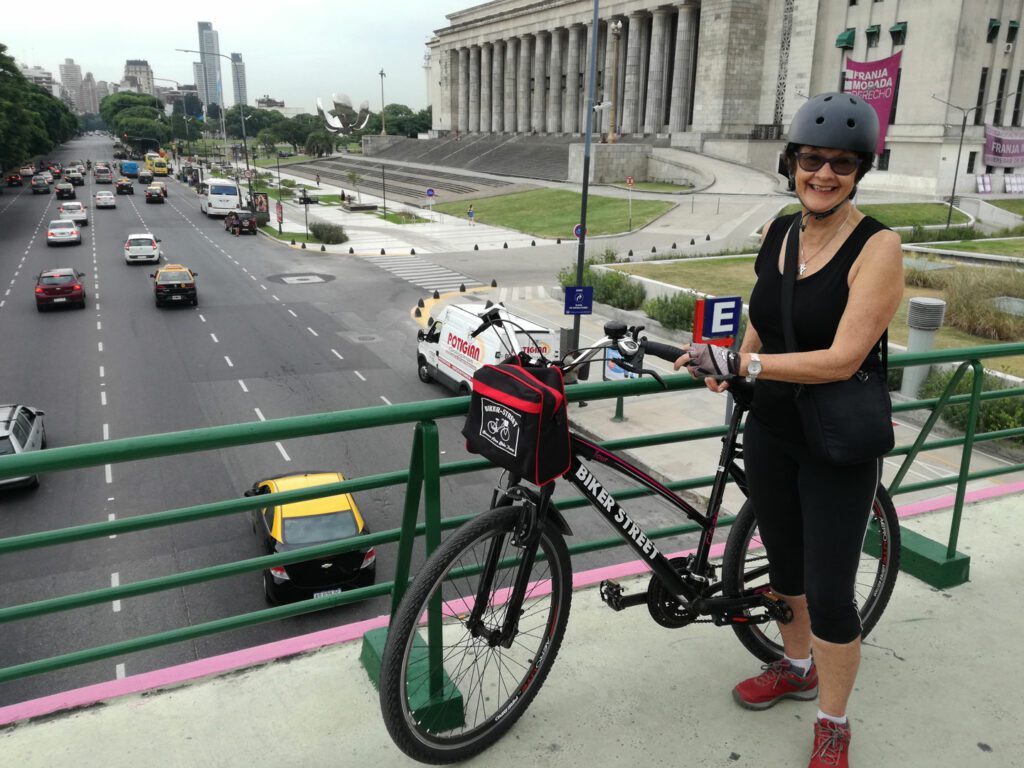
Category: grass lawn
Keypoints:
(402, 217)
(298, 237)
(1011, 247)
(554, 212)
(735, 277)
(656, 186)
(902, 214)
(1011, 205)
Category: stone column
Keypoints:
(463, 90)
(682, 71)
(511, 53)
(631, 89)
(485, 88)
(571, 119)
(474, 89)
(555, 86)
(612, 80)
(585, 44)
(523, 74)
(654, 117)
(540, 72)
(498, 86)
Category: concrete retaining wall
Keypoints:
(989, 214)
(610, 163)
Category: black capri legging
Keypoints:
(812, 517)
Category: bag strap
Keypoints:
(788, 287)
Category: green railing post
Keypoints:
(432, 518)
(409, 516)
(619, 416)
(965, 456)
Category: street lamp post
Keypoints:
(965, 111)
(616, 30)
(279, 229)
(220, 107)
(384, 191)
(382, 76)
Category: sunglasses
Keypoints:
(842, 166)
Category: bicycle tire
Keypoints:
(876, 577)
(542, 625)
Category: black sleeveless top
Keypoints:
(819, 301)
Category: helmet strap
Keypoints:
(823, 215)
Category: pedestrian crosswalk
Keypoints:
(424, 273)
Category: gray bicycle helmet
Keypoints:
(836, 121)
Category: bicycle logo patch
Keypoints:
(500, 426)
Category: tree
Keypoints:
(118, 102)
(319, 143)
(353, 179)
(267, 140)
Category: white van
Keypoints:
(448, 352)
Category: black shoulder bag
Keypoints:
(844, 422)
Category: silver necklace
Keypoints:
(804, 261)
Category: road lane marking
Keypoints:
(284, 453)
(265, 287)
(214, 337)
(115, 581)
(385, 399)
(103, 398)
(242, 385)
(99, 346)
(259, 414)
(228, 361)
(106, 431)
(102, 373)
(202, 318)
(112, 517)
(99, 325)
(361, 377)
(312, 331)
(337, 354)
(119, 672)
(292, 313)
(108, 474)
(277, 299)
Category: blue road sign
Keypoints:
(579, 300)
(577, 231)
(430, 191)
(722, 316)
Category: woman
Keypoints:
(812, 514)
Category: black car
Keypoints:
(243, 221)
(125, 187)
(64, 190)
(15, 180)
(302, 524)
(39, 185)
(154, 194)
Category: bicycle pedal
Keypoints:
(612, 594)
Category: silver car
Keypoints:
(63, 231)
(21, 430)
(75, 211)
(105, 199)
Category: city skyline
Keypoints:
(295, 58)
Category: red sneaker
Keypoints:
(831, 745)
(778, 681)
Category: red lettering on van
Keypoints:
(464, 347)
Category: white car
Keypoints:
(63, 231)
(105, 199)
(142, 247)
(28, 170)
(49, 176)
(21, 430)
(75, 211)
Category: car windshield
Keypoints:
(6, 446)
(62, 225)
(141, 242)
(314, 528)
(174, 277)
(56, 279)
(223, 189)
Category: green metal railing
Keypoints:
(422, 483)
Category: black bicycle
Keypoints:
(498, 591)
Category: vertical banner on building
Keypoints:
(875, 82)
(1004, 147)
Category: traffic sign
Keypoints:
(430, 192)
(717, 320)
(629, 181)
(579, 300)
(577, 231)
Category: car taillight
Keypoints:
(39, 290)
(50, 234)
(369, 558)
(74, 231)
(188, 285)
(279, 571)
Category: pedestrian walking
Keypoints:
(318, 180)
(471, 215)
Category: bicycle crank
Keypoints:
(664, 607)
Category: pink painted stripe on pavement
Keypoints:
(247, 657)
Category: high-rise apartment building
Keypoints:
(88, 96)
(238, 79)
(142, 73)
(211, 89)
(43, 78)
(71, 79)
(102, 90)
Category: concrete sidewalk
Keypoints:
(938, 688)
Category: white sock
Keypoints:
(802, 666)
(833, 718)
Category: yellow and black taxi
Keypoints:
(154, 194)
(124, 187)
(305, 523)
(175, 284)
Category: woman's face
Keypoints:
(822, 189)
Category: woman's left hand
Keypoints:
(709, 360)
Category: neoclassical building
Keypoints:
(725, 76)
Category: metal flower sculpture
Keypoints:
(344, 119)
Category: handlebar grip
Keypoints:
(667, 352)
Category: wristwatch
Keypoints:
(753, 367)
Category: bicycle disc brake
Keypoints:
(664, 607)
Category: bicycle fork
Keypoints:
(527, 538)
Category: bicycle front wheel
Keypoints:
(745, 566)
(451, 704)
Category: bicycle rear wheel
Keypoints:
(486, 687)
(745, 566)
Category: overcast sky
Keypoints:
(294, 50)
